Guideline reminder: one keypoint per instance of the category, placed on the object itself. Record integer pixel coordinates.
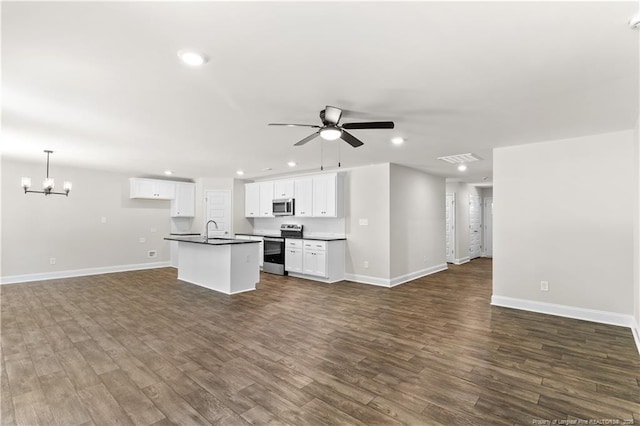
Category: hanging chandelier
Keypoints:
(47, 183)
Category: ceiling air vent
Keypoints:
(460, 158)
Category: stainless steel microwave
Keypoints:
(283, 207)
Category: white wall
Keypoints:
(367, 197)
(240, 223)
(462, 191)
(563, 212)
(36, 228)
(417, 241)
(636, 233)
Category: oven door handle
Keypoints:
(276, 240)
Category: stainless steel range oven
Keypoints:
(274, 255)
(274, 248)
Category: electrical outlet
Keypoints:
(154, 230)
(52, 261)
(544, 285)
(365, 263)
(364, 222)
(142, 240)
(152, 253)
(424, 259)
(103, 219)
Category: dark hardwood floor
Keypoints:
(143, 348)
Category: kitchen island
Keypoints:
(225, 265)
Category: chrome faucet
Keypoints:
(206, 229)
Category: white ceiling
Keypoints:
(101, 84)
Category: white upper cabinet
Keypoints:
(184, 204)
(304, 197)
(315, 196)
(283, 189)
(152, 189)
(252, 200)
(266, 199)
(325, 195)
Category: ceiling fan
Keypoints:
(332, 130)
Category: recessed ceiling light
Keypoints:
(239, 172)
(168, 172)
(462, 167)
(397, 141)
(192, 58)
(291, 163)
(266, 169)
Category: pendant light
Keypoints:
(47, 184)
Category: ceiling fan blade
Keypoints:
(332, 114)
(307, 139)
(369, 125)
(294, 125)
(350, 139)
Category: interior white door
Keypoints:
(450, 224)
(475, 227)
(488, 227)
(218, 208)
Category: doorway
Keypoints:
(475, 227)
(450, 224)
(488, 227)
(218, 208)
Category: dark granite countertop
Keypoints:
(211, 241)
(295, 238)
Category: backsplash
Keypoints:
(312, 227)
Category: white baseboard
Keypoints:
(418, 274)
(461, 260)
(14, 279)
(386, 282)
(365, 279)
(635, 330)
(314, 278)
(593, 315)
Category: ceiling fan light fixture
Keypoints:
(330, 133)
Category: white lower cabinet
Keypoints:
(293, 255)
(315, 259)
